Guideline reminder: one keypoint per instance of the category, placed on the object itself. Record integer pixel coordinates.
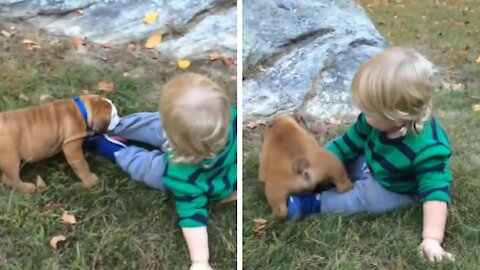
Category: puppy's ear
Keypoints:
(101, 113)
(265, 130)
(300, 167)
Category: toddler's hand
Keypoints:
(433, 250)
(201, 266)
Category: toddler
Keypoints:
(396, 152)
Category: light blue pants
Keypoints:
(141, 164)
(367, 195)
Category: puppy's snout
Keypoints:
(114, 118)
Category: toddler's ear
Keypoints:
(400, 123)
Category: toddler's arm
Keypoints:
(434, 220)
(197, 242)
(193, 215)
(352, 143)
(434, 178)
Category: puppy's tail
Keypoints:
(301, 166)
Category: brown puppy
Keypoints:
(35, 133)
(292, 162)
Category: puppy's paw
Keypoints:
(344, 187)
(280, 212)
(26, 188)
(91, 181)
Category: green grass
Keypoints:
(388, 241)
(121, 224)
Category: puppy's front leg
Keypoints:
(341, 180)
(74, 153)
(338, 174)
(277, 199)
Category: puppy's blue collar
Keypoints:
(82, 108)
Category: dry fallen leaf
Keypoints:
(228, 61)
(260, 226)
(251, 125)
(85, 92)
(458, 87)
(6, 34)
(335, 121)
(27, 41)
(106, 46)
(79, 41)
(153, 41)
(40, 183)
(261, 68)
(79, 12)
(44, 97)
(24, 97)
(80, 44)
(453, 86)
(183, 64)
(260, 221)
(106, 86)
(55, 41)
(69, 218)
(476, 108)
(478, 59)
(214, 56)
(150, 18)
(130, 47)
(56, 239)
(30, 44)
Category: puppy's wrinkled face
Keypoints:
(104, 115)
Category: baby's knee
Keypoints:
(376, 208)
(374, 202)
(378, 202)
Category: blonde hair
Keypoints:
(196, 116)
(396, 84)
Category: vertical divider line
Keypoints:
(239, 138)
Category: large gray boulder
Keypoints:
(193, 28)
(310, 50)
